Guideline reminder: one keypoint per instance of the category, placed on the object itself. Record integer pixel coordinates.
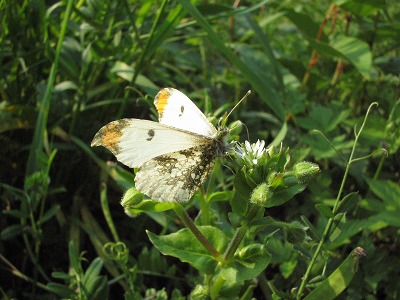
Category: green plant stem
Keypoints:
(328, 227)
(235, 242)
(216, 287)
(106, 211)
(239, 234)
(180, 211)
(14, 270)
(38, 135)
(232, 247)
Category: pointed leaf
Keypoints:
(11, 232)
(185, 246)
(248, 264)
(49, 214)
(348, 202)
(339, 280)
(324, 210)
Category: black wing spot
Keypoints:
(182, 110)
(151, 134)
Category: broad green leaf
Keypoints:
(362, 7)
(324, 118)
(324, 210)
(248, 264)
(355, 51)
(347, 230)
(281, 196)
(339, 280)
(185, 246)
(390, 217)
(351, 49)
(388, 192)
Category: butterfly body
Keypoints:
(174, 155)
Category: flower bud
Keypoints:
(261, 194)
(305, 171)
(199, 293)
(295, 233)
(131, 198)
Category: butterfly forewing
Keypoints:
(135, 141)
(177, 110)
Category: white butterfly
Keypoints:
(175, 155)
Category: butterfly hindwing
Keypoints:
(175, 177)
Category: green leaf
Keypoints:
(123, 70)
(348, 202)
(240, 200)
(324, 118)
(279, 197)
(220, 196)
(49, 214)
(387, 191)
(362, 7)
(11, 232)
(185, 246)
(339, 280)
(355, 51)
(74, 258)
(251, 76)
(287, 267)
(324, 210)
(248, 264)
(305, 24)
(149, 206)
(61, 275)
(60, 290)
(93, 270)
(97, 288)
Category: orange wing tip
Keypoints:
(96, 140)
(109, 135)
(161, 99)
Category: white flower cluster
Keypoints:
(251, 152)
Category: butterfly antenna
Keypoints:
(240, 101)
(247, 131)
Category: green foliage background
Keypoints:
(67, 68)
